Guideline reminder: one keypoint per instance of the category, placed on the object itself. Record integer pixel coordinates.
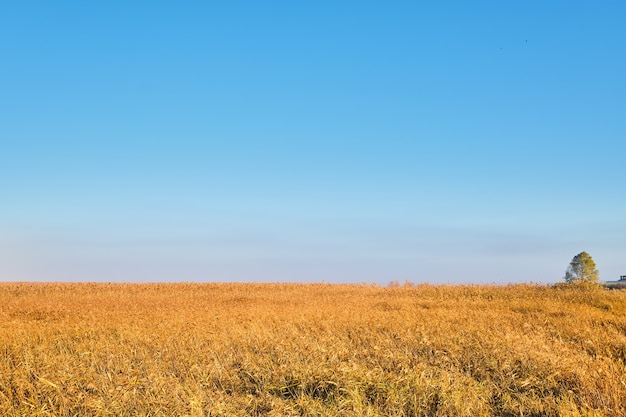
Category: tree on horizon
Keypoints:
(582, 268)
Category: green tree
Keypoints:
(582, 269)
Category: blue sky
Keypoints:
(349, 141)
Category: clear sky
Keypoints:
(337, 141)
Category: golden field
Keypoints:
(311, 350)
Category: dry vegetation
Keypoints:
(291, 350)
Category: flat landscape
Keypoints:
(311, 350)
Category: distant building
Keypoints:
(619, 284)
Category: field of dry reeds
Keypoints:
(311, 350)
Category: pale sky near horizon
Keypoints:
(354, 141)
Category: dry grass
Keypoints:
(292, 350)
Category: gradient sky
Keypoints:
(343, 141)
